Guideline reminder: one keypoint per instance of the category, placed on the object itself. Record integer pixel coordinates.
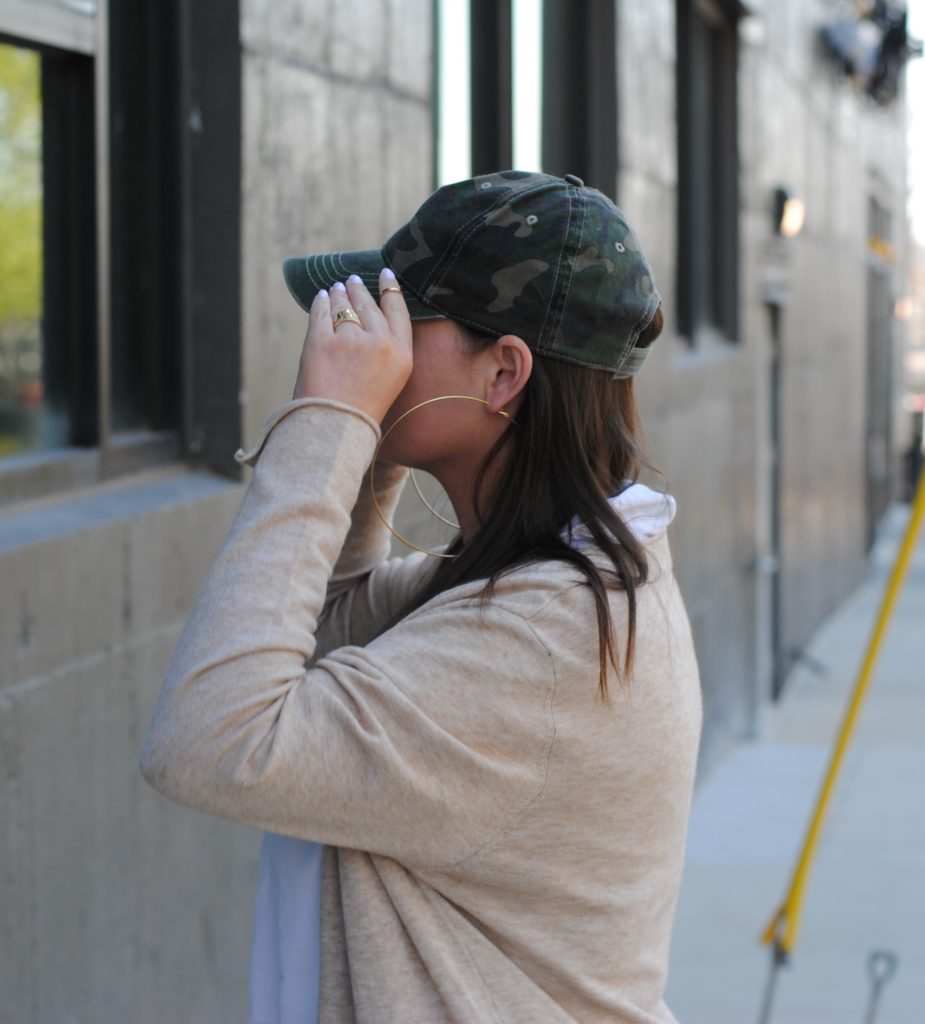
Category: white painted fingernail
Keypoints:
(355, 278)
(323, 292)
(388, 272)
(338, 286)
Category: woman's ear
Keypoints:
(509, 365)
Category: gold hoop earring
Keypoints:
(372, 473)
(427, 504)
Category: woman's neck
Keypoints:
(459, 483)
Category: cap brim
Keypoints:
(304, 277)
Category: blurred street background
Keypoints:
(160, 158)
(866, 889)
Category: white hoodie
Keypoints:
(286, 949)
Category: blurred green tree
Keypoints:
(20, 185)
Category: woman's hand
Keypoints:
(367, 366)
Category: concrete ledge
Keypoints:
(44, 519)
(89, 573)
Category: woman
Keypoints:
(474, 769)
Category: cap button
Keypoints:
(573, 178)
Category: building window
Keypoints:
(491, 85)
(580, 91)
(81, 394)
(453, 101)
(120, 308)
(21, 397)
(145, 194)
(528, 84)
(48, 256)
(708, 195)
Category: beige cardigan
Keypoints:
(502, 846)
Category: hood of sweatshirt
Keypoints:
(647, 513)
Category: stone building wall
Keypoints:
(803, 125)
(119, 905)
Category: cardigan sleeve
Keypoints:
(421, 745)
(366, 587)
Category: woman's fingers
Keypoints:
(319, 327)
(320, 313)
(341, 300)
(392, 311)
(356, 296)
(390, 319)
(394, 308)
(365, 365)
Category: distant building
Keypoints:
(168, 156)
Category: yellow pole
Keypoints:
(789, 911)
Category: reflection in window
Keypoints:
(21, 379)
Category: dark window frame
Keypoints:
(708, 177)
(69, 242)
(491, 68)
(186, 288)
(579, 134)
(579, 120)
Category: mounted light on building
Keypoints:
(789, 213)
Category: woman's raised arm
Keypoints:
(420, 746)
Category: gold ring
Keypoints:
(346, 314)
(391, 288)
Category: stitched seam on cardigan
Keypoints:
(549, 703)
(567, 588)
(555, 597)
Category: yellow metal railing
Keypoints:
(782, 929)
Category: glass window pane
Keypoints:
(527, 83)
(24, 423)
(454, 142)
(145, 205)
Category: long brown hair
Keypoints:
(576, 441)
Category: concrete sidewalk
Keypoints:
(866, 889)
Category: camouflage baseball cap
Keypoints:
(549, 259)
